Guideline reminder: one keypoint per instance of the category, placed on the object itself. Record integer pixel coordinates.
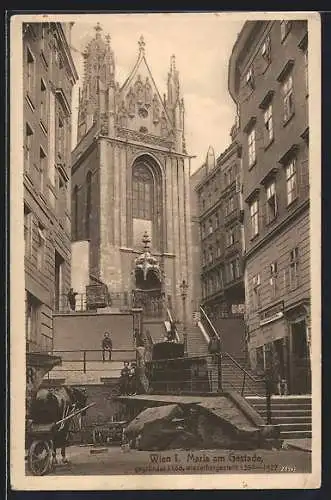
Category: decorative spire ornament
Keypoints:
(142, 45)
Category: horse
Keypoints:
(52, 405)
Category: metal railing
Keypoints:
(154, 307)
(233, 375)
(211, 329)
(239, 379)
(194, 375)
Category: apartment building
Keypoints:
(48, 78)
(268, 80)
(218, 213)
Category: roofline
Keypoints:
(67, 51)
(227, 153)
(237, 50)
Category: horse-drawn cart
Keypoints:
(52, 414)
(41, 439)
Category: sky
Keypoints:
(202, 44)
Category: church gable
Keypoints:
(140, 107)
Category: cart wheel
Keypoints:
(40, 458)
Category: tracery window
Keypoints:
(142, 193)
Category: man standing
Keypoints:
(72, 299)
(124, 380)
(107, 347)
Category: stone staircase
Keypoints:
(197, 345)
(291, 413)
(234, 378)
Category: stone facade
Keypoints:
(130, 173)
(268, 80)
(49, 75)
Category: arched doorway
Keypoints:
(146, 202)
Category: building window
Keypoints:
(285, 28)
(28, 147)
(210, 226)
(271, 202)
(43, 104)
(229, 206)
(251, 148)
(291, 181)
(203, 230)
(218, 249)
(88, 204)
(266, 50)
(230, 237)
(250, 78)
(204, 258)
(268, 125)
(306, 71)
(228, 176)
(210, 255)
(273, 279)
(30, 74)
(43, 37)
(233, 270)
(27, 231)
(142, 185)
(288, 99)
(220, 274)
(58, 285)
(294, 268)
(62, 200)
(254, 217)
(217, 222)
(61, 137)
(75, 213)
(41, 246)
(256, 286)
(42, 170)
(32, 308)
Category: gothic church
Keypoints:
(130, 182)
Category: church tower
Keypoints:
(130, 182)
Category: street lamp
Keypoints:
(183, 292)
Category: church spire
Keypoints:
(99, 75)
(175, 105)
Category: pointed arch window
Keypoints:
(142, 193)
(88, 204)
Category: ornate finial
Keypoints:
(146, 240)
(141, 44)
(108, 38)
(173, 62)
(98, 27)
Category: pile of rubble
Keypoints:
(209, 424)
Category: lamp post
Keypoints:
(183, 292)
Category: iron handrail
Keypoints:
(242, 368)
(210, 323)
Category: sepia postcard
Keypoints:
(165, 230)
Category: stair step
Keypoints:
(295, 434)
(293, 426)
(287, 413)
